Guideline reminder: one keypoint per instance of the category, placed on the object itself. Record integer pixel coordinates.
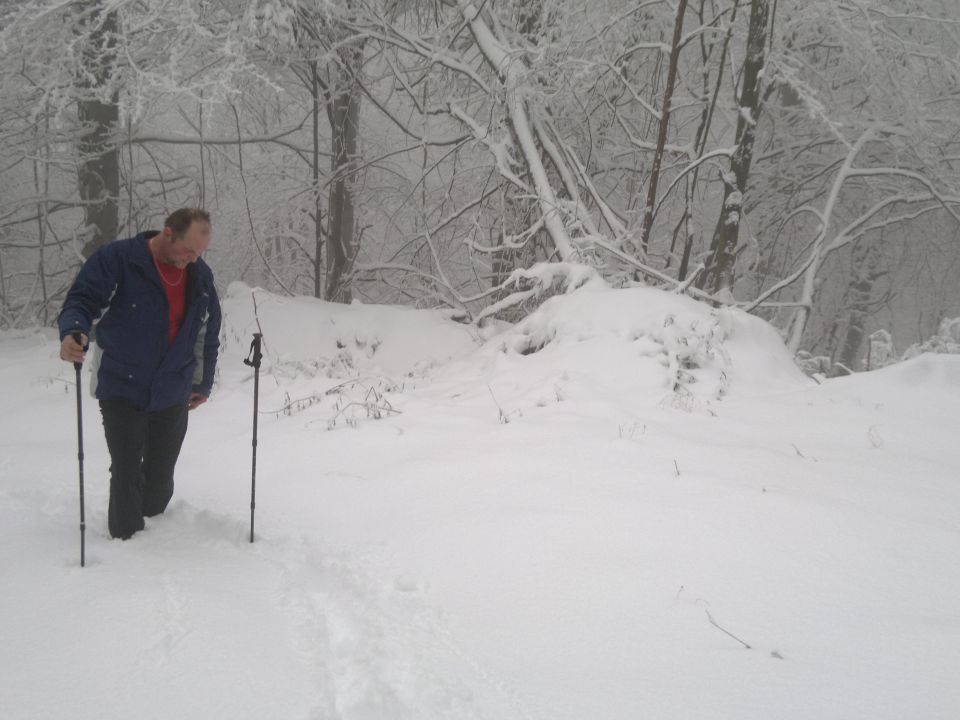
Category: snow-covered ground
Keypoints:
(588, 516)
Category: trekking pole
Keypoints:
(253, 360)
(83, 524)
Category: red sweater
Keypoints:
(174, 282)
(177, 300)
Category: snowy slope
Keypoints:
(587, 515)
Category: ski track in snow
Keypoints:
(375, 654)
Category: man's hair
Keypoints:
(180, 220)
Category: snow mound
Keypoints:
(643, 340)
(304, 336)
(617, 349)
(929, 371)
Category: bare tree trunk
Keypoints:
(812, 265)
(99, 171)
(866, 272)
(40, 164)
(344, 116)
(719, 274)
(664, 123)
(703, 129)
(6, 317)
(316, 90)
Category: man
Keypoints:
(157, 321)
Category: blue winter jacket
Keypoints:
(120, 289)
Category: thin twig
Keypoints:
(504, 419)
(726, 632)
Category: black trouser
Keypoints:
(144, 447)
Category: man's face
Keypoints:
(184, 250)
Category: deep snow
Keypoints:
(544, 521)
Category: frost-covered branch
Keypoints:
(507, 68)
(533, 282)
(500, 149)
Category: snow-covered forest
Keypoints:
(795, 158)
(611, 360)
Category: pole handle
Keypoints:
(255, 355)
(78, 339)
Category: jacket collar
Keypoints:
(140, 253)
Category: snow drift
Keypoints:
(626, 505)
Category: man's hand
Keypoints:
(71, 351)
(195, 401)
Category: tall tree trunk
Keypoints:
(664, 124)
(99, 171)
(345, 129)
(719, 274)
(706, 122)
(316, 91)
(866, 272)
(798, 324)
(41, 169)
